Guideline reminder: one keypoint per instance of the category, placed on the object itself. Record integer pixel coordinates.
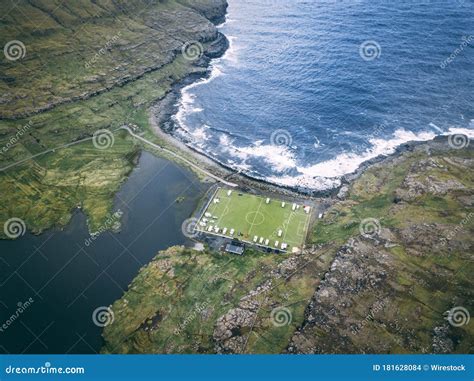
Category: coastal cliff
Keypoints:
(77, 51)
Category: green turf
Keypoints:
(251, 216)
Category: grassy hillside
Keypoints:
(384, 267)
(87, 66)
(73, 50)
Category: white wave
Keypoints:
(316, 183)
(279, 158)
(348, 162)
(187, 98)
(231, 55)
(327, 174)
(199, 135)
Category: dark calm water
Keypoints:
(67, 280)
(298, 67)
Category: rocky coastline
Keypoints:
(163, 124)
(161, 119)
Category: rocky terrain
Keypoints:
(390, 287)
(386, 268)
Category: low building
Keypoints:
(235, 248)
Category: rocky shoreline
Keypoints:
(161, 119)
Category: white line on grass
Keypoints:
(256, 213)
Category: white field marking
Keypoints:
(225, 211)
(257, 213)
(306, 228)
(211, 208)
(286, 222)
(258, 210)
(206, 209)
(292, 243)
(300, 231)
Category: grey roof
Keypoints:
(234, 249)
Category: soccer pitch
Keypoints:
(269, 223)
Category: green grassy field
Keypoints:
(251, 216)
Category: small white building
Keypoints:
(283, 204)
(229, 192)
(267, 241)
(224, 231)
(209, 229)
(268, 200)
(277, 243)
(255, 238)
(232, 231)
(208, 215)
(293, 207)
(284, 246)
(280, 233)
(260, 241)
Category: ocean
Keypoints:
(309, 90)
